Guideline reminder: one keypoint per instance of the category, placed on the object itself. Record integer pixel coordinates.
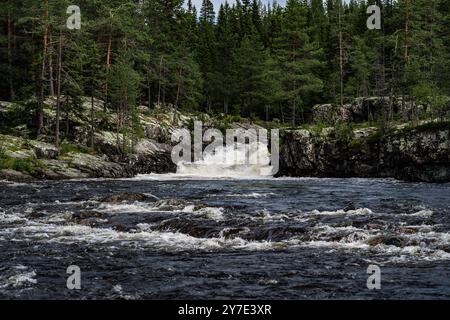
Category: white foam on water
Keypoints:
(360, 211)
(21, 277)
(253, 195)
(135, 207)
(11, 218)
(421, 213)
(166, 241)
(208, 212)
(240, 160)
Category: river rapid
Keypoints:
(194, 238)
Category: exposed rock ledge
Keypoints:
(420, 153)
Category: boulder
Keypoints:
(151, 157)
(97, 167)
(44, 150)
(331, 114)
(13, 175)
(125, 197)
(58, 170)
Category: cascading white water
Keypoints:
(239, 160)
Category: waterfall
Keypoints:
(238, 160)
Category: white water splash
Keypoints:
(242, 160)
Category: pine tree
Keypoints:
(298, 57)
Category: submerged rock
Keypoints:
(171, 204)
(387, 240)
(125, 197)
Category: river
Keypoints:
(194, 238)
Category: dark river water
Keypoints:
(232, 239)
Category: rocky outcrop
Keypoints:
(13, 175)
(80, 165)
(44, 150)
(151, 157)
(420, 153)
(367, 109)
(107, 153)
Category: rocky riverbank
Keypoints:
(414, 153)
(105, 153)
(342, 143)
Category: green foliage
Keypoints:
(432, 126)
(67, 147)
(21, 165)
(376, 137)
(343, 131)
(249, 58)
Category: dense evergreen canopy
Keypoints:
(247, 59)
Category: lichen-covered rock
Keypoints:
(44, 150)
(13, 175)
(364, 133)
(331, 114)
(419, 153)
(59, 170)
(368, 109)
(97, 167)
(151, 157)
(23, 154)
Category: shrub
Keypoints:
(21, 165)
(67, 147)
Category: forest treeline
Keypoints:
(251, 58)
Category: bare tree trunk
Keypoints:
(294, 106)
(149, 92)
(58, 88)
(40, 109)
(159, 79)
(406, 54)
(180, 81)
(341, 55)
(51, 86)
(225, 105)
(10, 46)
(92, 115)
(67, 115)
(108, 67)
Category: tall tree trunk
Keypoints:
(225, 105)
(51, 85)
(10, 46)
(58, 88)
(149, 92)
(159, 79)
(180, 81)
(108, 52)
(341, 55)
(92, 114)
(406, 53)
(294, 106)
(40, 108)
(108, 67)
(67, 115)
